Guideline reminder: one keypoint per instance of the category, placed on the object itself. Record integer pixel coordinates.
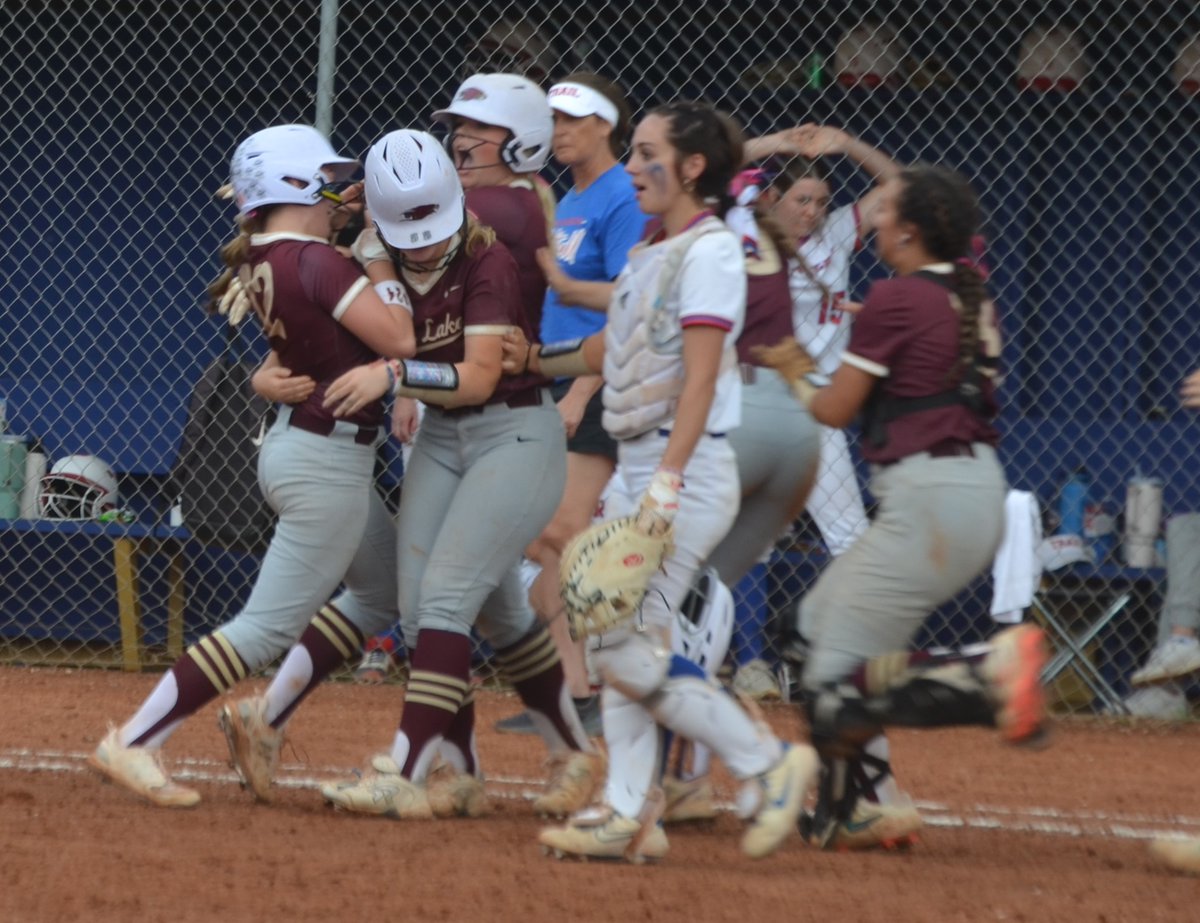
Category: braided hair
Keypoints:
(233, 253)
(940, 203)
(698, 128)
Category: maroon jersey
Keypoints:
(474, 291)
(768, 299)
(300, 287)
(907, 334)
(516, 215)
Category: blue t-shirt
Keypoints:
(594, 231)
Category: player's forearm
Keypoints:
(881, 167)
(445, 384)
(567, 360)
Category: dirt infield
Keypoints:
(1052, 835)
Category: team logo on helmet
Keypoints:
(470, 93)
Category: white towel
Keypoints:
(1017, 569)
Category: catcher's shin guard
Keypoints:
(920, 690)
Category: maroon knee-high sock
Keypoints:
(533, 667)
(438, 681)
(330, 640)
(207, 669)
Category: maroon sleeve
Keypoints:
(492, 290)
(326, 275)
(882, 326)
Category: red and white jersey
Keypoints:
(821, 325)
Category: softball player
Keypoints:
(824, 242)
(597, 224)
(499, 138)
(460, 537)
(941, 506)
(322, 318)
(777, 445)
(671, 394)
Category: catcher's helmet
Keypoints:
(264, 162)
(78, 487)
(413, 194)
(509, 101)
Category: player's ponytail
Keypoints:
(234, 252)
(940, 203)
(971, 293)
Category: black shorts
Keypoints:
(590, 437)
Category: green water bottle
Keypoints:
(814, 71)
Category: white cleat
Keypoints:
(382, 792)
(140, 770)
(783, 790)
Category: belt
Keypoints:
(947, 448)
(531, 397)
(667, 432)
(951, 448)
(320, 426)
(749, 372)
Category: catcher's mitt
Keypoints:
(604, 573)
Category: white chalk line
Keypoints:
(1043, 820)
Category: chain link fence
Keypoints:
(1077, 123)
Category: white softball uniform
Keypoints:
(824, 330)
(665, 287)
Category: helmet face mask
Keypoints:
(413, 192)
(78, 488)
(288, 165)
(512, 102)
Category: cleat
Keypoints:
(455, 794)
(688, 801)
(375, 667)
(140, 770)
(783, 790)
(1181, 855)
(1176, 657)
(607, 836)
(253, 744)
(757, 681)
(382, 792)
(575, 778)
(1014, 670)
(875, 826)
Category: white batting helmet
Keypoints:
(264, 162)
(414, 195)
(78, 487)
(508, 101)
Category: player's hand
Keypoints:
(406, 417)
(518, 355)
(1190, 392)
(548, 264)
(353, 391)
(788, 358)
(786, 142)
(368, 248)
(660, 502)
(850, 307)
(280, 386)
(571, 409)
(821, 140)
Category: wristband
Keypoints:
(428, 376)
(562, 360)
(392, 293)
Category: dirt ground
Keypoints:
(1052, 835)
